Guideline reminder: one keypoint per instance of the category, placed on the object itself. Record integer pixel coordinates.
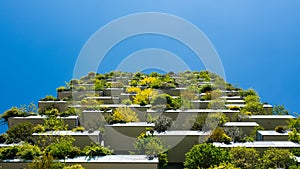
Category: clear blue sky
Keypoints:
(258, 42)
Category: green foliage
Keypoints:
(8, 152)
(245, 93)
(253, 107)
(295, 151)
(277, 158)
(219, 135)
(70, 112)
(294, 136)
(206, 88)
(253, 134)
(61, 89)
(235, 133)
(252, 98)
(280, 110)
(3, 138)
(28, 151)
(199, 122)
(53, 123)
(96, 150)
(20, 132)
(246, 158)
(61, 149)
(294, 124)
(279, 129)
(52, 112)
(39, 128)
(78, 128)
(205, 155)
(224, 166)
(127, 102)
(163, 159)
(149, 145)
(166, 100)
(216, 94)
(13, 112)
(76, 166)
(142, 97)
(49, 98)
(163, 123)
(122, 115)
(45, 162)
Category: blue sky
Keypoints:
(257, 42)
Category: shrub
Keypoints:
(39, 128)
(142, 98)
(28, 152)
(279, 129)
(246, 158)
(252, 98)
(253, 107)
(234, 108)
(204, 156)
(61, 89)
(218, 135)
(53, 123)
(78, 128)
(20, 132)
(224, 166)
(123, 115)
(277, 158)
(149, 145)
(127, 102)
(76, 166)
(52, 112)
(13, 112)
(8, 152)
(45, 162)
(49, 98)
(245, 93)
(70, 112)
(3, 138)
(96, 150)
(294, 136)
(167, 100)
(206, 88)
(61, 149)
(163, 123)
(133, 90)
(199, 122)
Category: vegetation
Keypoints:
(280, 110)
(277, 158)
(205, 156)
(20, 132)
(163, 123)
(246, 158)
(219, 135)
(122, 115)
(96, 150)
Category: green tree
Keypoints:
(277, 158)
(245, 158)
(52, 123)
(280, 110)
(205, 155)
(20, 132)
(28, 151)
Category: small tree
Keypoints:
(280, 110)
(277, 158)
(61, 149)
(246, 158)
(53, 123)
(45, 162)
(20, 132)
(163, 123)
(205, 155)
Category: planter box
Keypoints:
(271, 135)
(72, 121)
(103, 162)
(173, 92)
(76, 94)
(82, 139)
(180, 142)
(60, 105)
(93, 116)
(124, 96)
(246, 127)
(269, 122)
(120, 137)
(182, 118)
(261, 146)
(113, 91)
(107, 99)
